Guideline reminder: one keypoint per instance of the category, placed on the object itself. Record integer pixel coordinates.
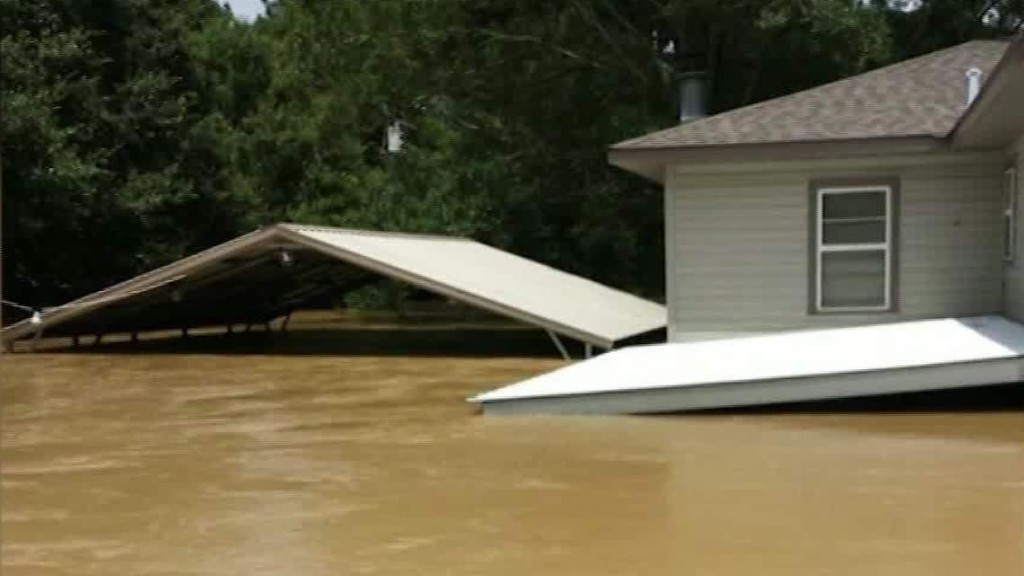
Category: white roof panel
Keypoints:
(459, 268)
(813, 353)
(502, 282)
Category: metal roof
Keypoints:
(783, 367)
(923, 96)
(249, 279)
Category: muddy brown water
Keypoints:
(281, 463)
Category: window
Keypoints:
(853, 249)
(1010, 215)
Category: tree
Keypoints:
(113, 163)
(137, 131)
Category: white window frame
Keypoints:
(1011, 212)
(820, 249)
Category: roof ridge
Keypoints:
(298, 226)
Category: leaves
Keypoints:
(138, 131)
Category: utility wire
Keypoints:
(18, 306)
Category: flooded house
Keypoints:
(862, 237)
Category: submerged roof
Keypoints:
(249, 279)
(783, 367)
(923, 96)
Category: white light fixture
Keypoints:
(393, 138)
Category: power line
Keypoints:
(18, 306)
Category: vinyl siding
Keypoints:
(739, 245)
(1014, 283)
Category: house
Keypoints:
(878, 198)
(890, 198)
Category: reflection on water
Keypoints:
(316, 464)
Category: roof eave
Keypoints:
(651, 162)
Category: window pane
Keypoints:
(854, 204)
(862, 232)
(853, 279)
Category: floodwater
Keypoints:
(283, 463)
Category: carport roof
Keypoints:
(249, 279)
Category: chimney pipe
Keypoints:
(973, 76)
(692, 96)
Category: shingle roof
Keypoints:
(924, 96)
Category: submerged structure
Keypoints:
(863, 237)
(266, 274)
(777, 368)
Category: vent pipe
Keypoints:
(973, 76)
(692, 96)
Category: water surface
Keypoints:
(282, 464)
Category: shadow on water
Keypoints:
(931, 414)
(997, 397)
(354, 341)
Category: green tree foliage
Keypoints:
(137, 131)
(342, 72)
(114, 161)
(926, 25)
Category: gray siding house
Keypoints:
(867, 234)
(889, 196)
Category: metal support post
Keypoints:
(35, 339)
(558, 344)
